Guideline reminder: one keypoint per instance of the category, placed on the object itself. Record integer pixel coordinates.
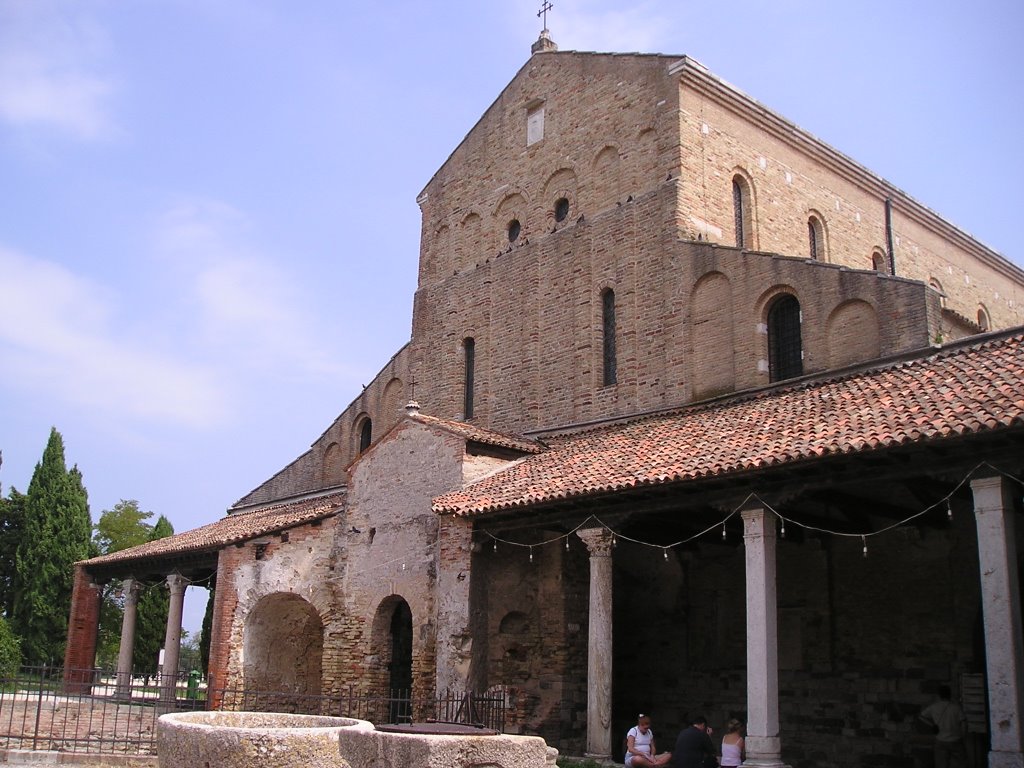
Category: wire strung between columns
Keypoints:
(593, 521)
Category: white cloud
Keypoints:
(49, 69)
(249, 307)
(60, 335)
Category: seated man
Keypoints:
(694, 747)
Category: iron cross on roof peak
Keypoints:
(543, 12)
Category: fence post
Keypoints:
(39, 707)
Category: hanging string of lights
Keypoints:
(593, 521)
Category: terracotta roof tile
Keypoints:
(966, 389)
(235, 527)
(481, 435)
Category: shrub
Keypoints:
(10, 651)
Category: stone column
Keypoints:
(763, 744)
(172, 638)
(1000, 600)
(599, 646)
(124, 656)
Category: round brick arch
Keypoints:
(283, 645)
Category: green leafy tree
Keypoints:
(119, 528)
(12, 514)
(10, 651)
(56, 532)
(151, 619)
(122, 527)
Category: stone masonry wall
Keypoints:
(790, 181)
(294, 563)
(386, 549)
(689, 322)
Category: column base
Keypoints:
(764, 752)
(1006, 760)
(599, 758)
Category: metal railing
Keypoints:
(97, 714)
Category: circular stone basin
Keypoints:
(247, 739)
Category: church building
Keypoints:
(698, 416)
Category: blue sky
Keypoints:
(208, 227)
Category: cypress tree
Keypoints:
(56, 532)
(151, 619)
(207, 631)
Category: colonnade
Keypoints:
(177, 584)
(1004, 646)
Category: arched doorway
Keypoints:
(400, 666)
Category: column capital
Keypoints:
(598, 540)
(176, 582)
(131, 589)
(757, 522)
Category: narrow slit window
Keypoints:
(469, 354)
(609, 376)
(741, 212)
(816, 238)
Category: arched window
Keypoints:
(785, 349)
(816, 238)
(878, 262)
(469, 374)
(936, 286)
(983, 320)
(741, 211)
(608, 336)
(365, 434)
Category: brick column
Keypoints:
(599, 645)
(83, 629)
(125, 651)
(225, 601)
(172, 637)
(763, 743)
(454, 639)
(1000, 600)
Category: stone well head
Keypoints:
(249, 739)
(278, 740)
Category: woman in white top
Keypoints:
(732, 744)
(640, 749)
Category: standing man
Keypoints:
(693, 746)
(949, 719)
